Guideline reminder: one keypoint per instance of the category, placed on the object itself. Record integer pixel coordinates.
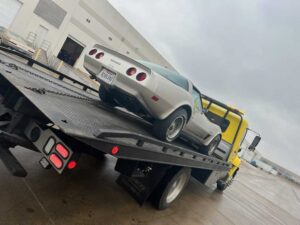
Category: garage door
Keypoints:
(8, 11)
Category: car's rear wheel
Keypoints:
(211, 148)
(170, 128)
(105, 96)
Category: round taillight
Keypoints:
(93, 52)
(99, 55)
(141, 76)
(115, 150)
(131, 71)
(72, 164)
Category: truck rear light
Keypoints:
(57, 162)
(62, 150)
(93, 52)
(141, 76)
(131, 71)
(99, 55)
(72, 164)
(49, 145)
(44, 163)
(114, 150)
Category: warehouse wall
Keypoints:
(87, 22)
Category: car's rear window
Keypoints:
(168, 74)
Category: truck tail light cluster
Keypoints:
(58, 155)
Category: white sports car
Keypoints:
(165, 98)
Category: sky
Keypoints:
(244, 53)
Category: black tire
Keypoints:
(221, 185)
(162, 127)
(105, 96)
(161, 196)
(225, 183)
(211, 148)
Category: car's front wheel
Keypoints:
(105, 96)
(211, 148)
(170, 128)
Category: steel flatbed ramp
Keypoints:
(82, 115)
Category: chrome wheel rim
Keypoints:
(175, 128)
(213, 147)
(176, 188)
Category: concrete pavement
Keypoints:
(90, 196)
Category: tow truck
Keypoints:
(46, 111)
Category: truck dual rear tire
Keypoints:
(171, 187)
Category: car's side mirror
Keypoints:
(254, 143)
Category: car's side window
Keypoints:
(197, 100)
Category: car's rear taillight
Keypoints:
(93, 52)
(131, 71)
(57, 162)
(99, 55)
(141, 76)
(62, 150)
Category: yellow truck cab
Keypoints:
(234, 129)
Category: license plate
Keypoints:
(107, 76)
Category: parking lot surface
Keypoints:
(90, 196)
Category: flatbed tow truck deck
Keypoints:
(36, 107)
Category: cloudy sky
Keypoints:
(246, 53)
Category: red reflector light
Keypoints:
(154, 98)
(99, 55)
(93, 52)
(131, 71)
(56, 161)
(141, 76)
(62, 150)
(114, 150)
(72, 165)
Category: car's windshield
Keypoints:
(168, 74)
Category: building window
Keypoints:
(70, 51)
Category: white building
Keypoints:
(69, 28)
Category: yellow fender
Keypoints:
(235, 166)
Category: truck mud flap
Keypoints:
(11, 163)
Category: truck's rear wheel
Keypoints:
(170, 128)
(105, 96)
(171, 187)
